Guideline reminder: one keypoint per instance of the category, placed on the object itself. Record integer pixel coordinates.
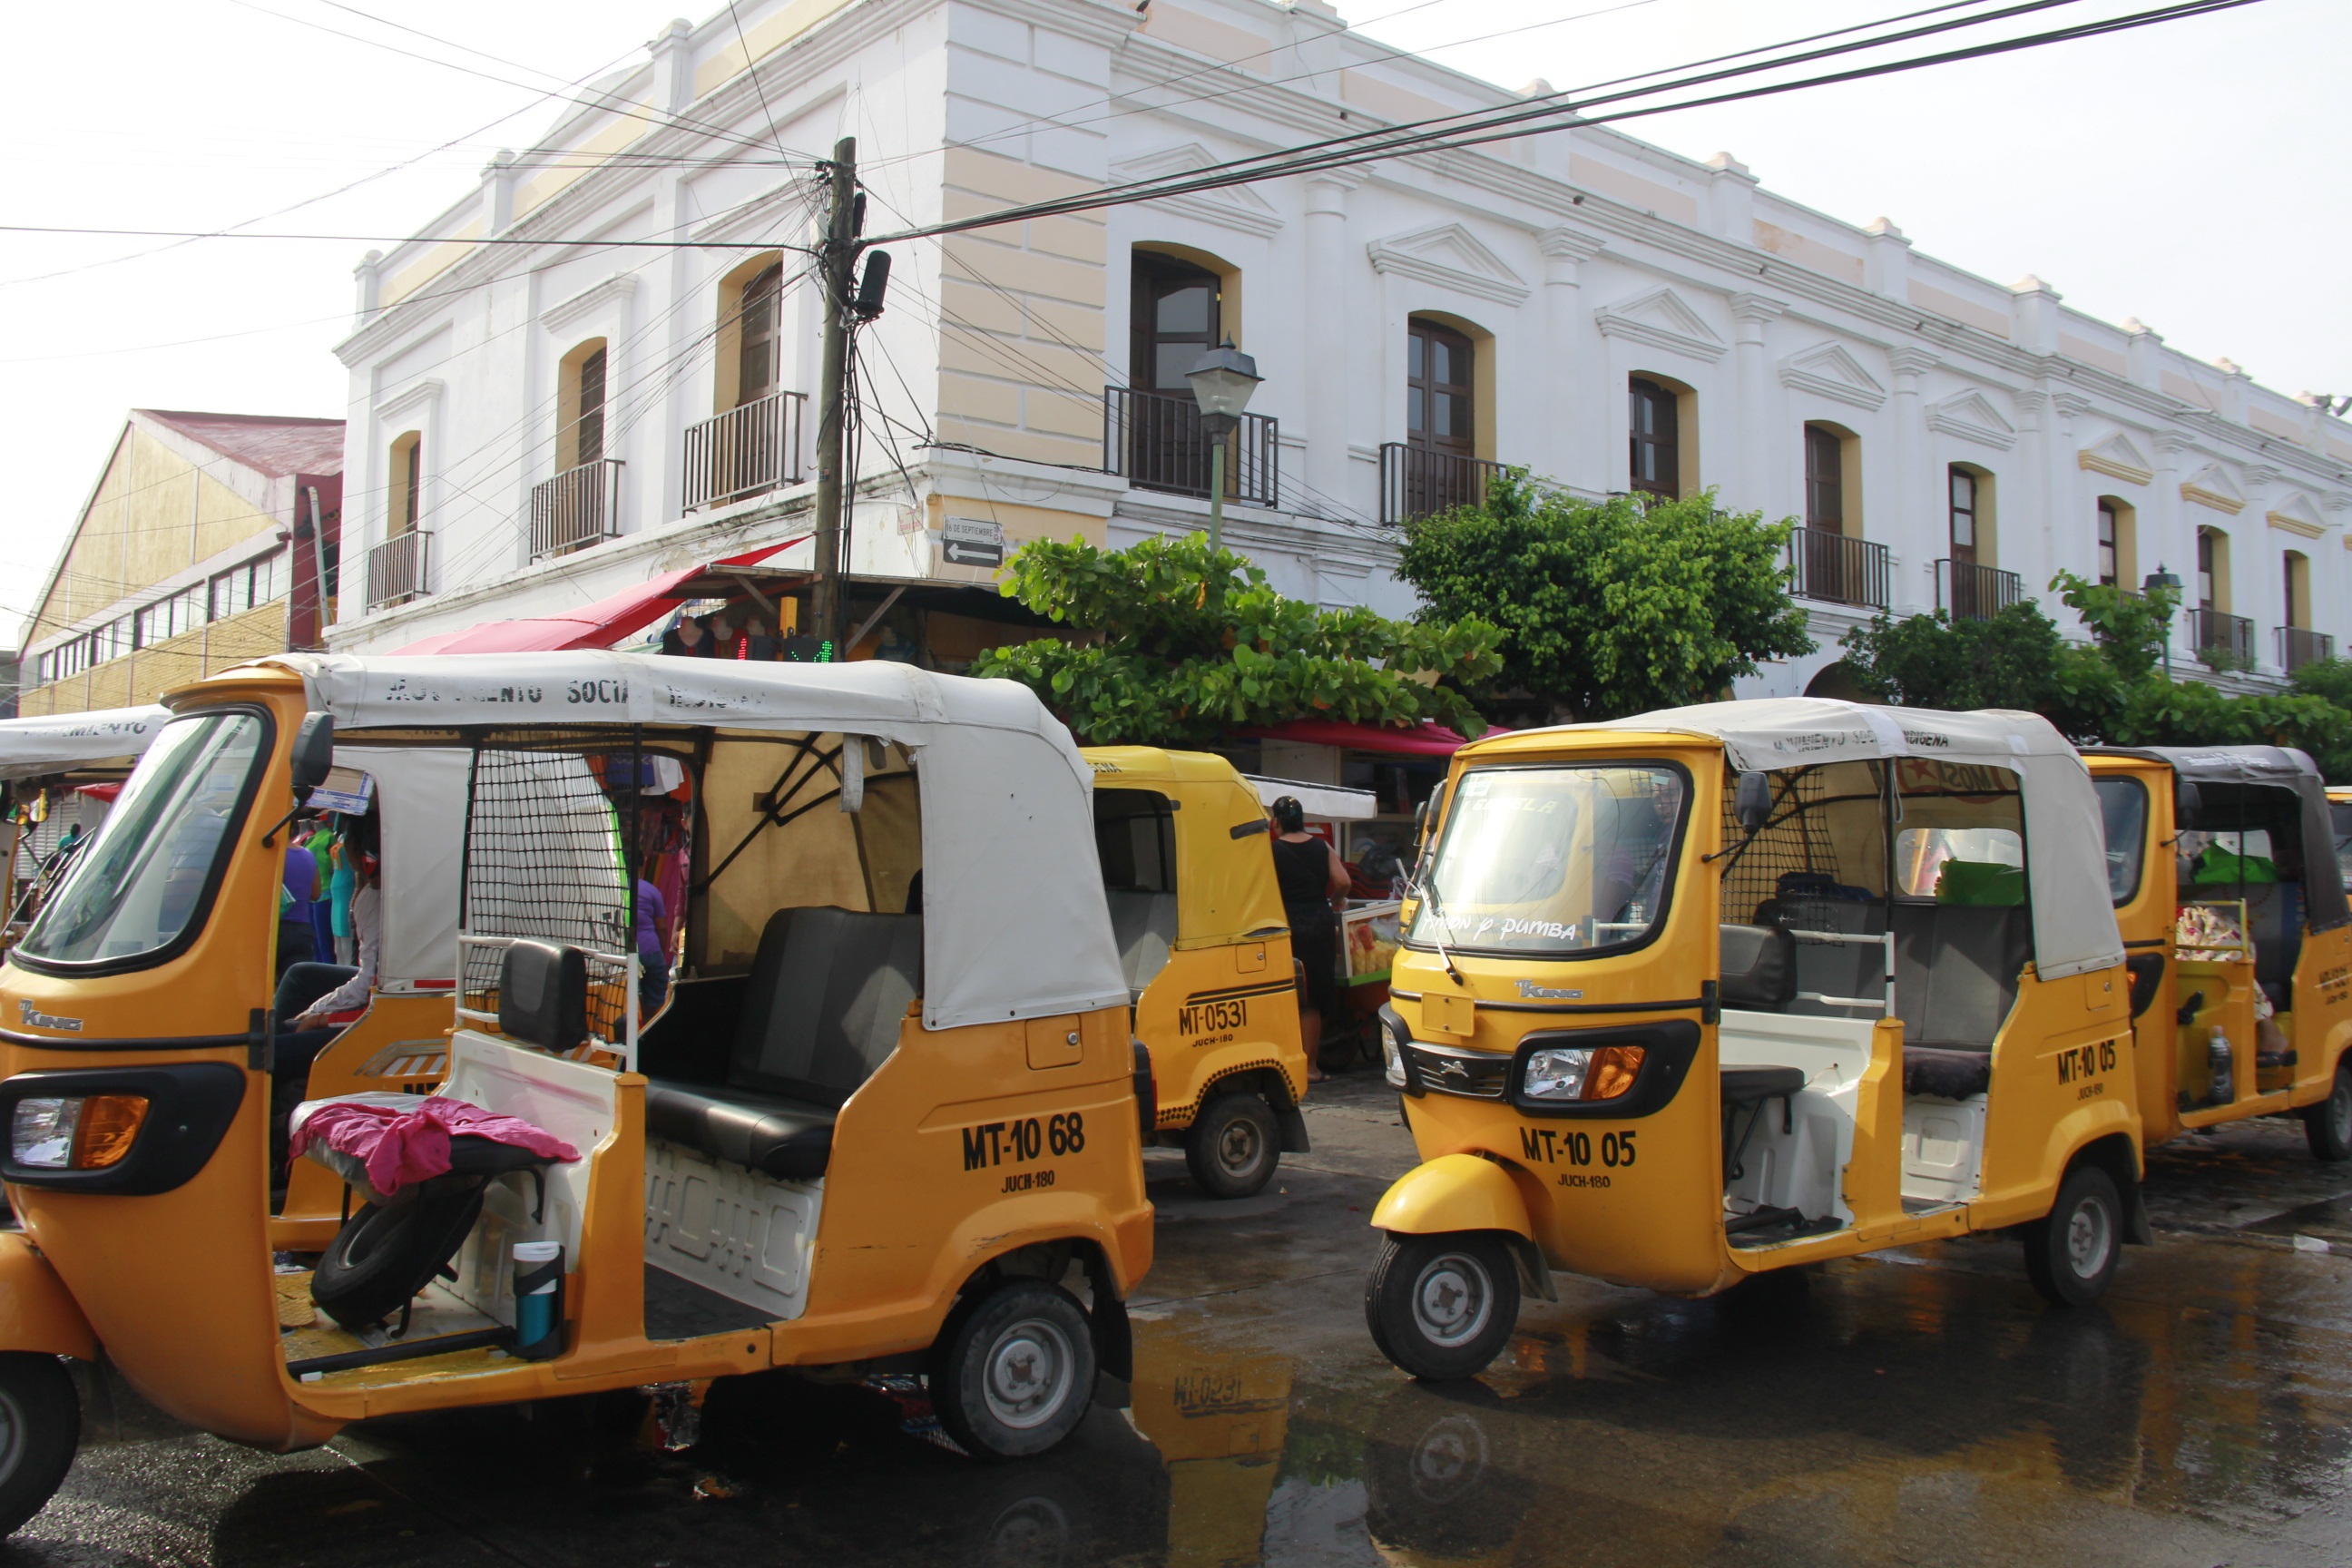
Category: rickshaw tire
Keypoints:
(1388, 1298)
(2048, 1260)
(1211, 1128)
(46, 1413)
(422, 1234)
(2327, 1126)
(959, 1375)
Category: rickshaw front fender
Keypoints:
(1451, 1193)
(38, 1313)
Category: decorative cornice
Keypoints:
(1451, 256)
(2097, 463)
(1910, 359)
(1235, 208)
(1971, 418)
(1750, 306)
(1571, 244)
(2070, 403)
(1827, 370)
(613, 293)
(1664, 321)
(2297, 526)
(409, 399)
(2233, 505)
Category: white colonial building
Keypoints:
(536, 425)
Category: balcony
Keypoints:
(2222, 640)
(1416, 481)
(2299, 645)
(1968, 592)
(1837, 569)
(1155, 442)
(744, 452)
(576, 509)
(396, 568)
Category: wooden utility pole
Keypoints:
(835, 271)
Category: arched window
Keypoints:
(760, 370)
(1654, 426)
(2297, 602)
(580, 400)
(2213, 570)
(1969, 492)
(2115, 552)
(1440, 379)
(1178, 316)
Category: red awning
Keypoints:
(1426, 739)
(598, 625)
(105, 792)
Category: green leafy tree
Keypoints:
(1611, 608)
(1178, 642)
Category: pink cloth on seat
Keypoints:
(399, 1146)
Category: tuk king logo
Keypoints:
(34, 1018)
(1528, 989)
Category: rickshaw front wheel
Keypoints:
(1443, 1306)
(2071, 1255)
(1016, 1374)
(40, 1427)
(2327, 1126)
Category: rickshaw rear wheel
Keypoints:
(2327, 1126)
(1441, 1307)
(1234, 1145)
(1016, 1373)
(2072, 1256)
(40, 1427)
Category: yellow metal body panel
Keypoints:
(1645, 1206)
(36, 1311)
(1454, 1192)
(1226, 1003)
(178, 1290)
(1219, 1424)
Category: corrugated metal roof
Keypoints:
(268, 444)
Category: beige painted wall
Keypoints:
(145, 676)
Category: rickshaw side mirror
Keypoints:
(314, 754)
(1751, 801)
(2187, 804)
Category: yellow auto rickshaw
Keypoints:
(2222, 865)
(1698, 995)
(850, 1140)
(1205, 949)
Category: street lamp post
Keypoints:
(2162, 578)
(1223, 380)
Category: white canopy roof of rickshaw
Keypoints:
(53, 742)
(2075, 927)
(1016, 923)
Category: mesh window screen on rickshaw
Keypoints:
(548, 820)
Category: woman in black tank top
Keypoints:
(1309, 875)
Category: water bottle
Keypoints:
(539, 1300)
(2217, 1055)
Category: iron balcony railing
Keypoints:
(396, 568)
(1155, 442)
(1968, 592)
(1417, 481)
(746, 451)
(2299, 645)
(1837, 569)
(2222, 638)
(576, 509)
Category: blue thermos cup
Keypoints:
(539, 1300)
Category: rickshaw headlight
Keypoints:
(1582, 1073)
(1392, 1058)
(76, 1132)
(41, 1133)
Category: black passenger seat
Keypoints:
(822, 1011)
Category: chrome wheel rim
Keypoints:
(2090, 1238)
(1449, 1458)
(1239, 1145)
(1451, 1299)
(1025, 1377)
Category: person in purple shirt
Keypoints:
(297, 941)
(653, 951)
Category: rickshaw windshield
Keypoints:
(2339, 814)
(1561, 861)
(147, 876)
(2122, 810)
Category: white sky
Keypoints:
(2180, 174)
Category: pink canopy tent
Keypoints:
(1426, 739)
(593, 626)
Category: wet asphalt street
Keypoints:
(1918, 1407)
